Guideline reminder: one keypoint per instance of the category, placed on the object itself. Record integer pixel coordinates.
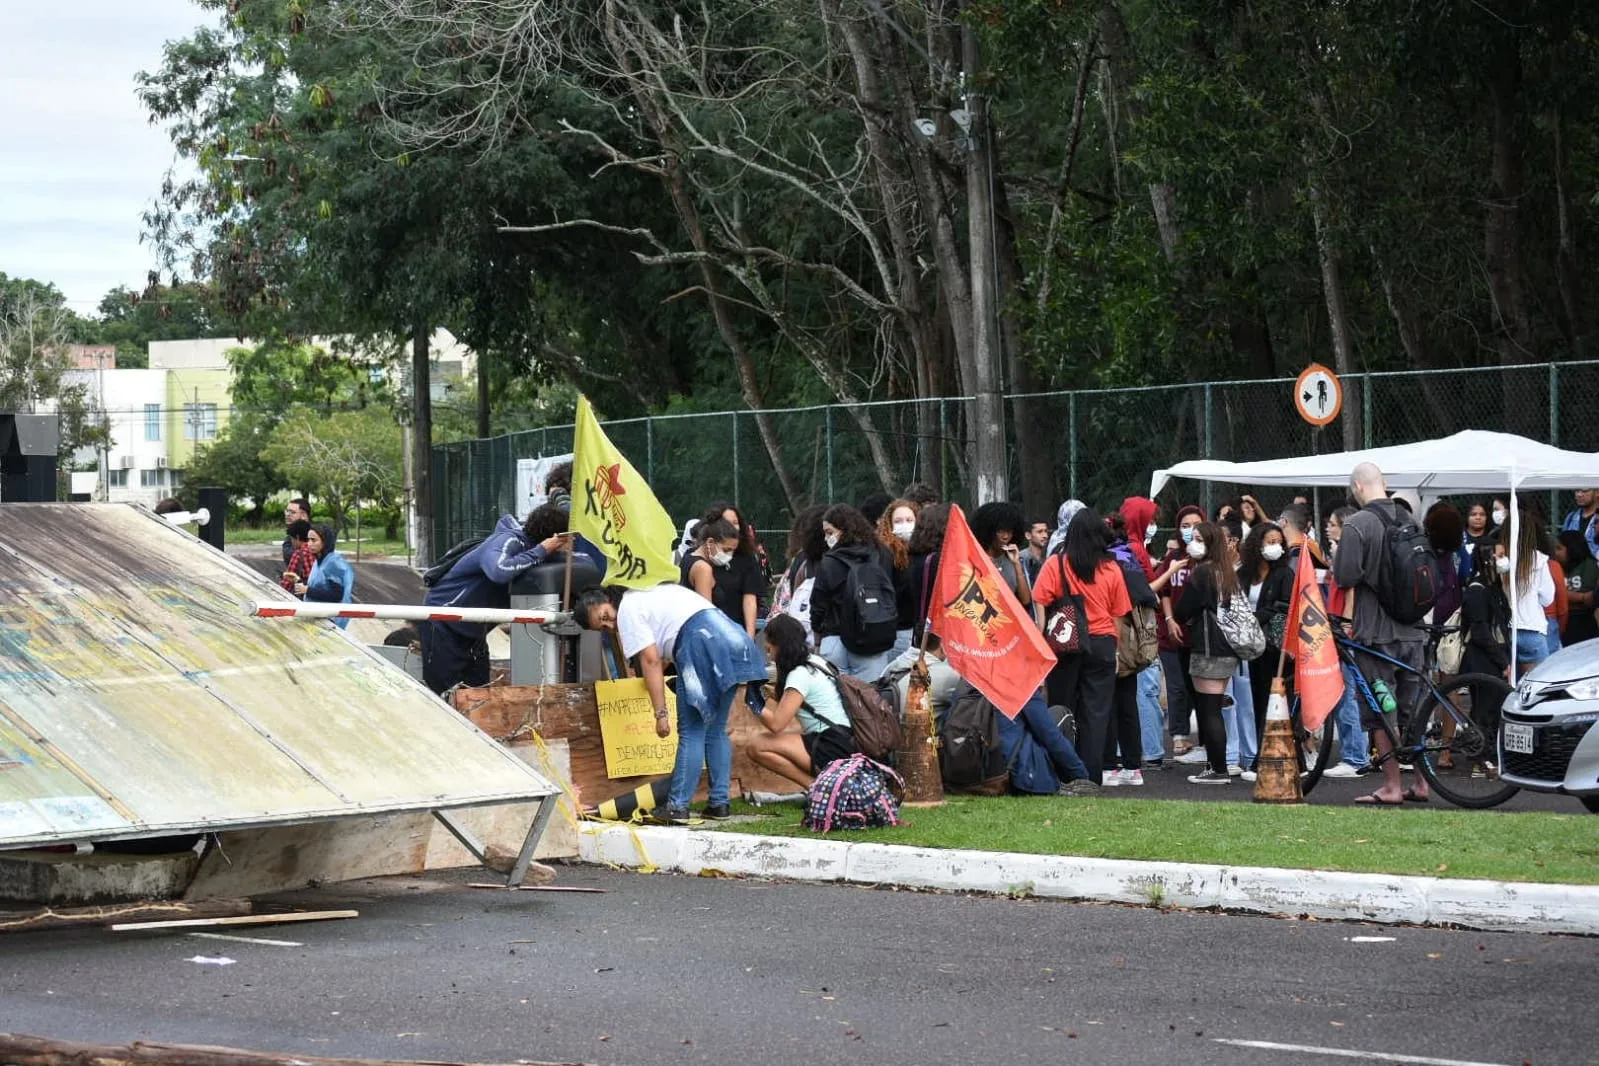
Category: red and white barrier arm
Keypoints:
(396, 612)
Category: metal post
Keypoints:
(1366, 438)
(736, 501)
(828, 432)
(1208, 445)
(1071, 429)
(1554, 432)
(943, 450)
(649, 450)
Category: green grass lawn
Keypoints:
(372, 542)
(1534, 846)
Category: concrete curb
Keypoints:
(1490, 905)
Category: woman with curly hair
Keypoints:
(894, 529)
(927, 541)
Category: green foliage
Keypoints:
(271, 377)
(35, 329)
(131, 320)
(236, 462)
(346, 458)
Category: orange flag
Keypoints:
(988, 636)
(1308, 637)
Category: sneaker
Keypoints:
(1234, 770)
(1342, 769)
(1209, 777)
(1079, 786)
(1247, 775)
(717, 811)
(1133, 777)
(1196, 755)
(1155, 764)
(1110, 778)
(668, 816)
(1369, 769)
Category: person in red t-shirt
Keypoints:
(1086, 681)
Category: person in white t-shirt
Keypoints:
(1535, 587)
(808, 687)
(714, 658)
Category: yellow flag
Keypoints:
(614, 508)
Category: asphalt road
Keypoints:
(667, 969)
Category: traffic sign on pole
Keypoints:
(1318, 395)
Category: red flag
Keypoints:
(988, 636)
(1308, 637)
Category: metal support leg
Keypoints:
(463, 834)
(524, 858)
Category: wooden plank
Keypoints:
(21, 1050)
(243, 919)
(58, 917)
(536, 888)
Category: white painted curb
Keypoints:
(1492, 905)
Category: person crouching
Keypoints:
(807, 687)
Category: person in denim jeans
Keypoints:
(1151, 718)
(714, 659)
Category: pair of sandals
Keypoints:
(1410, 795)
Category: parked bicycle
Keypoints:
(1450, 735)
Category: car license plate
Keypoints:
(1518, 738)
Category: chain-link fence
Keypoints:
(1098, 445)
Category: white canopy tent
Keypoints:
(1471, 461)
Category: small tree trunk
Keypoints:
(422, 444)
(484, 422)
(1332, 287)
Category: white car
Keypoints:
(1547, 739)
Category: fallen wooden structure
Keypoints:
(512, 714)
(17, 1049)
(68, 917)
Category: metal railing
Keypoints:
(1098, 445)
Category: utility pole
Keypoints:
(422, 445)
(988, 407)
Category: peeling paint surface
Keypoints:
(136, 698)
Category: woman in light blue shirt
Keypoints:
(807, 686)
(332, 577)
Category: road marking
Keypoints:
(250, 940)
(1345, 1053)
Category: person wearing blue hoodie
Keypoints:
(455, 653)
(332, 578)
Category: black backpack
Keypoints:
(1408, 575)
(869, 618)
(970, 755)
(441, 569)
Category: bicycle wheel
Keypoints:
(1315, 748)
(1453, 739)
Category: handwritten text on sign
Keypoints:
(627, 729)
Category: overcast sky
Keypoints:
(78, 161)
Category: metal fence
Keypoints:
(1098, 445)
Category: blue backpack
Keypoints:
(853, 793)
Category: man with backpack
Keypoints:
(455, 653)
(1385, 561)
(854, 608)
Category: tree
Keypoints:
(237, 463)
(131, 320)
(348, 457)
(35, 330)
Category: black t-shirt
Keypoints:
(730, 584)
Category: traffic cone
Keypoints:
(1277, 770)
(918, 754)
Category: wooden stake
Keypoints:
(918, 758)
(58, 917)
(19, 1050)
(246, 919)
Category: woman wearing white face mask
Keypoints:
(1212, 663)
(894, 531)
(712, 557)
(1262, 567)
(1171, 574)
